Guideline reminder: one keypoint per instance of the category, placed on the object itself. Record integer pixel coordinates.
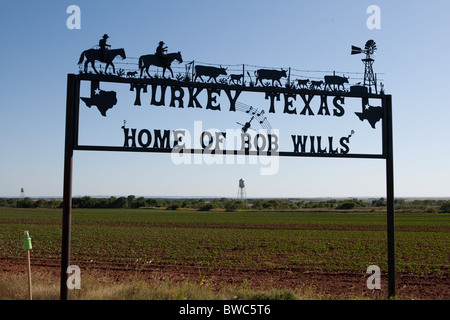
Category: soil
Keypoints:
(327, 285)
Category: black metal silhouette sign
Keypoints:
(152, 59)
(103, 54)
(254, 110)
(103, 100)
(216, 88)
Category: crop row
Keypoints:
(114, 237)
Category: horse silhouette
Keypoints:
(95, 54)
(146, 61)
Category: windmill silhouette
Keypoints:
(370, 79)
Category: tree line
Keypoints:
(227, 204)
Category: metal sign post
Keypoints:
(388, 145)
(73, 92)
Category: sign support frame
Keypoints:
(72, 106)
(71, 144)
(388, 146)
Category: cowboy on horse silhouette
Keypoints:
(159, 59)
(161, 53)
(103, 54)
(102, 44)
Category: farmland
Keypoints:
(265, 248)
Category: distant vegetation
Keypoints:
(227, 204)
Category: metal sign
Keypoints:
(221, 111)
(284, 121)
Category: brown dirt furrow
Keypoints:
(329, 285)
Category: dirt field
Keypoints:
(328, 285)
(324, 253)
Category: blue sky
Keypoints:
(38, 51)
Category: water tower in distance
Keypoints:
(241, 190)
(22, 194)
